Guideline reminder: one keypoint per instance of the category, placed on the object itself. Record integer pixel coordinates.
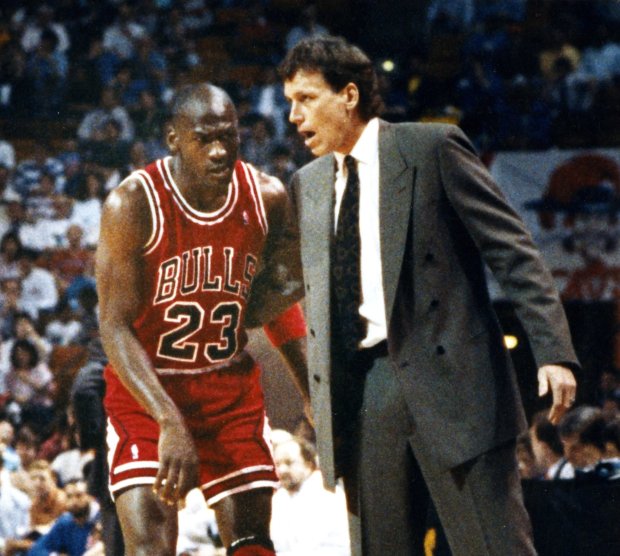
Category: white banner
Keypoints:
(570, 201)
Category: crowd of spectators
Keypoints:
(84, 92)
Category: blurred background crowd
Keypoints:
(84, 91)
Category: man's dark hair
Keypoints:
(588, 423)
(547, 432)
(340, 63)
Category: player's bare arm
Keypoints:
(125, 229)
(280, 284)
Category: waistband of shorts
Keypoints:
(243, 362)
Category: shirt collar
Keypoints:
(366, 149)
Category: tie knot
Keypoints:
(351, 164)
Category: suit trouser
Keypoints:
(479, 503)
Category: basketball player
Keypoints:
(192, 247)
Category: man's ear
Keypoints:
(172, 139)
(352, 96)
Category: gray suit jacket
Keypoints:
(441, 217)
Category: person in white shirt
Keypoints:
(306, 518)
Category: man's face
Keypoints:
(320, 113)
(206, 140)
(42, 481)
(291, 466)
(78, 499)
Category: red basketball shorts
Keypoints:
(225, 413)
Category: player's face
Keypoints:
(322, 115)
(206, 140)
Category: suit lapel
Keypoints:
(396, 179)
(317, 225)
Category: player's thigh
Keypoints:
(244, 514)
(149, 526)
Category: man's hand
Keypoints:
(563, 389)
(178, 464)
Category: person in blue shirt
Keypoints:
(73, 530)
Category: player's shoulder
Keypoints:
(127, 195)
(271, 188)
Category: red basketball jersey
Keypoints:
(199, 268)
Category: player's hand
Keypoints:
(563, 387)
(178, 464)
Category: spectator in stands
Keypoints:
(63, 328)
(40, 201)
(110, 152)
(30, 385)
(151, 67)
(47, 233)
(582, 434)
(38, 287)
(26, 447)
(35, 27)
(10, 459)
(48, 503)
(306, 518)
(70, 262)
(7, 197)
(150, 119)
(87, 206)
(10, 248)
(7, 154)
(308, 26)
(72, 531)
(10, 307)
(92, 126)
(23, 328)
(267, 99)
(14, 510)
(14, 84)
(548, 450)
(29, 171)
(257, 145)
(122, 35)
(47, 70)
(71, 461)
(281, 164)
(128, 84)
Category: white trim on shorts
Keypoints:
(241, 488)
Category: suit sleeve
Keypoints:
(507, 247)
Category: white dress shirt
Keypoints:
(366, 152)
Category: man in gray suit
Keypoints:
(413, 394)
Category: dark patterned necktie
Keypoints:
(345, 265)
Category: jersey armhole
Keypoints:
(157, 219)
(252, 179)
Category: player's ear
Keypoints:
(172, 139)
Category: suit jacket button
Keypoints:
(312, 332)
(429, 257)
(440, 350)
(434, 303)
(307, 287)
(404, 364)
(316, 378)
